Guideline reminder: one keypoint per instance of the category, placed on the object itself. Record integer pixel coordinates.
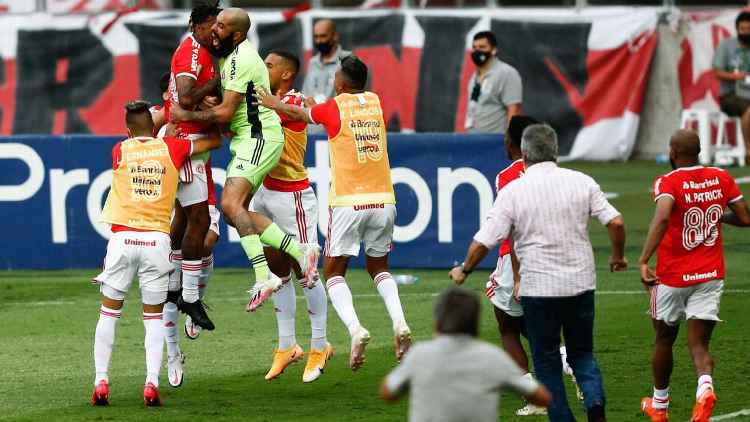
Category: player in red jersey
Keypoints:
(157, 110)
(503, 283)
(192, 79)
(686, 235)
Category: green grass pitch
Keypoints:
(48, 321)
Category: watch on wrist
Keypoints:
(465, 271)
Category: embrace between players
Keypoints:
(266, 197)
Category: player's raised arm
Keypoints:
(190, 94)
(266, 99)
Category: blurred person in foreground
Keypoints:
(455, 376)
(686, 235)
(732, 68)
(495, 89)
(547, 212)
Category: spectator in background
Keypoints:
(548, 211)
(456, 377)
(322, 67)
(495, 89)
(732, 68)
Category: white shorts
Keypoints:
(296, 213)
(193, 187)
(145, 254)
(215, 217)
(350, 226)
(675, 304)
(499, 288)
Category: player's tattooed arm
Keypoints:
(268, 100)
(222, 113)
(656, 231)
(737, 214)
(190, 94)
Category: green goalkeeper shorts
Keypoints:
(253, 158)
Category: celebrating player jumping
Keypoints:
(256, 147)
(686, 235)
(361, 198)
(286, 197)
(139, 206)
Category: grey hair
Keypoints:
(539, 143)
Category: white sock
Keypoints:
(207, 268)
(285, 304)
(154, 326)
(175, 278)
(104, 338)
(317, 307)
(171, 319)
(341, 298)
(705, 382)
(191, 276)
(389, 292)
(660, 399)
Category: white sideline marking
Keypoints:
(741, 181)
(613, 195)
(239, 297)
(743, 412)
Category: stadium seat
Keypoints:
(704, 119)
(727, 151)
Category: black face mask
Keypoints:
(744, 38)
(324, 47)
(225, 47)
(479, 57)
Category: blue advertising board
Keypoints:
(52, 189)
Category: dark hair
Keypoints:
(289, 58)
(457, 312)
(204, 10)
(744, 16)
(137, 113)
(517, 125)
(355, 72)
(164, 82)
(487, 35)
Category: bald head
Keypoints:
(325, 37)
(685, 145)
(237, 20)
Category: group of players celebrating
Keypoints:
(162, 204)
(162, 208)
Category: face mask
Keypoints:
(744, 38)
(479, 57)
(324, 47)
(225, 47)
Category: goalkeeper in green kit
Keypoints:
(256, 147)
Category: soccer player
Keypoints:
(256, 147)
(503, 283)
(138, 206)
(361, 198)
(685, 233)
(286, 197)
(157, 110)
(192, 78)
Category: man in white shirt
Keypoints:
(455, 377)
(547, 213)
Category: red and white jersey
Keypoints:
(691, 252)
(190, 59)
(507, 175)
